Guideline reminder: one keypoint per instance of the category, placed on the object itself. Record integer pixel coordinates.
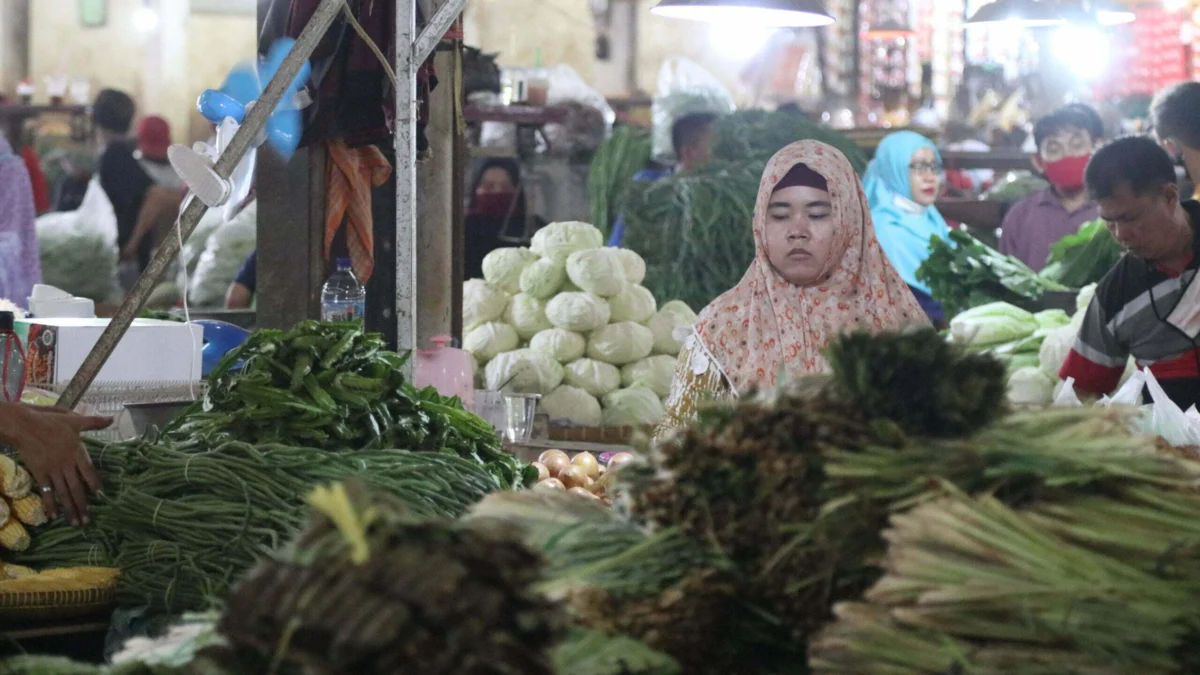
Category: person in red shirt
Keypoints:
(33, 164)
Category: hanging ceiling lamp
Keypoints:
(1028, 13)
(769, 13)
(890, 29)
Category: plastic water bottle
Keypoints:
(12, 361)
(342, 297)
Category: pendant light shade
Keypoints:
(1029, 13)
(889, 30)
(768, 13)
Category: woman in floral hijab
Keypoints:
(20, 267)
(818, 272)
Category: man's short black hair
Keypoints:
(1136, 161)
(1175, 114)
(687, 129)
(1072, 116)
(113, 111)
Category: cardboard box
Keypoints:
(151, 351)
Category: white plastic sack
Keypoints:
(684, 88)
(78, 249)
(224, 255)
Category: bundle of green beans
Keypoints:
(614, 165)
(1097, 584)
(333, 386)
(186, 519)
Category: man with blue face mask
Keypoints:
(1175, 114)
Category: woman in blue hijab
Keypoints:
(902, 183)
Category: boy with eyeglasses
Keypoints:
(1065, 140)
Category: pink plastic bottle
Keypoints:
(12, 360)
(446, 369)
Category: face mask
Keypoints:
(494, 204)
(1067, 173)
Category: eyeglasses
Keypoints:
(925, 167)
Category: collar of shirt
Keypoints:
(1050, 199)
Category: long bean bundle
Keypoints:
(615, 164)
(187, 519)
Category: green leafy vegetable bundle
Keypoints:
(962, 273)
(332, 386)
(1084, 257)
(614, 165)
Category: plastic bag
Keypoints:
(1168, 420)
(78, 248)
(684, 88)
(224, 255)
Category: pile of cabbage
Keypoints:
(568, 319)
(1034, 345)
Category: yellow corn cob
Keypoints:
(12, 571)
(5, 511)
(29, 510)
(14, 536)
(15, 481)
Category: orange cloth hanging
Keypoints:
(350, 174)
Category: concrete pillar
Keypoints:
(435, 208)
(618, 75)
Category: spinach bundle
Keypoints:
(1084, 257)
(962, 273)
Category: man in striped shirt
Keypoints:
(1147, 305)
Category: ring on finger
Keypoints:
(46, 489)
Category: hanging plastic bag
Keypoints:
(1065, 395)
(684, 88)
(1167, 419)
(224, 255)
(79, 248)
(1130, 393)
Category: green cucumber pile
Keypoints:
(334, 386)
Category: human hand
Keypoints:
(48, 441)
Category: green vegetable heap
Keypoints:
(1084, 257)
(335, 387)
(962, 273)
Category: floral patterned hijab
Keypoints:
(765, 324)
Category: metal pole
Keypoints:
(406, 177)
(255, 120)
